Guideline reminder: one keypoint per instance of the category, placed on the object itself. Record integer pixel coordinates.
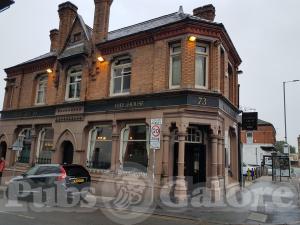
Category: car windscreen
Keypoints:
(32, 171)
(48, 170)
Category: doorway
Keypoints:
(3, 148)
(68, 152)
(194, 165)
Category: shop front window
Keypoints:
(135, 148)
(45, 146)
(100, 147)
(24, 154)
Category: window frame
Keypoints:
(206, 55)
(147, 140)
(73, 74)
(171, 55)
(112, 81)
(90, 151)
(249, 138)
(45, 83)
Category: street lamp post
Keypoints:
(284, 105)
(285, 127)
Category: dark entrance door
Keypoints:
(3, 148)
(195, 163)
(68, 151)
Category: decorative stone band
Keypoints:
(127, 103)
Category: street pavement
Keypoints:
(262, 202)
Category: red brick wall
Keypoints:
(263, 135)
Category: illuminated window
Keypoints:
(135, 148)
(100, 146)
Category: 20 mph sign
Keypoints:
(155, 131)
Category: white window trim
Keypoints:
(170, 65)
(122, 80)
(207, 65)
(40, 136)
(69, 75)
(45, 90)
(121, 160)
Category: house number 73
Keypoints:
(202, 101)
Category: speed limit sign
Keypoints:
(155, 133)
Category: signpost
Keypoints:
(18, 146)
(249, 121)
(155, 131)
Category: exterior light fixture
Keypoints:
(192, 38)
(49, 70)
(101, 59)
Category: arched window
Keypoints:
(24, 155)
(121, 76)
(41, 89)
(45, 146)
(100, 146)
(135, 147)
(73, 83)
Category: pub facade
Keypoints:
(91, 98)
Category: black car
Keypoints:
(51, 181)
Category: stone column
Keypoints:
(33, 148)
(114, 147)
(165, 161)
(215, 185)
(180, 186)
(220, 156)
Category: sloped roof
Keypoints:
(151, 24)
(134, 29)
(44, 56)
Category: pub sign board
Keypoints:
(249, 121)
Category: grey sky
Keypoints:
(265, 32)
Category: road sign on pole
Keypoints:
(155, 131)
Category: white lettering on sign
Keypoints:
(155, 131)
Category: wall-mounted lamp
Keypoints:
(192, 38)
(49, 70)
(100, 59)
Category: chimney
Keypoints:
(67, 13)
(207, 12)
(101, 20)
(54, 35)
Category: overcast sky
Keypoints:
(266, 34)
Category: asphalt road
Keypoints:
(97, 217)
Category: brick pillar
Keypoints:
(180, 186)
(67, 13)
(101, 20)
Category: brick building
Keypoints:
(91, 98)
(258, 143)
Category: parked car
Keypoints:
(68, 181)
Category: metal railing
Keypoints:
(43, 160)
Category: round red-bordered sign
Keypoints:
(155, 131)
